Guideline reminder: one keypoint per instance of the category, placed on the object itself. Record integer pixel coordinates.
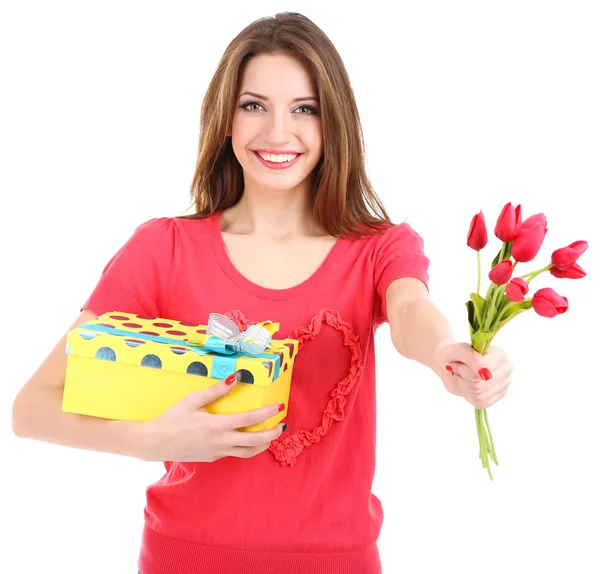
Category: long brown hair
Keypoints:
(341, 191)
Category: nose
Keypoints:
(278, 127)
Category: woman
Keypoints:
(282, 232)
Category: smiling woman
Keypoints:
(276, 134)
(280, 114)
(287, 229)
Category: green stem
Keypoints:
(534, 274)
(493, 449)
(492, 307)
(500, 314)
(501, 258)
(479, 435)
(486, 445)
(478, 271)
(485, 434)
(483, 449)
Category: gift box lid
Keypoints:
(177, 346)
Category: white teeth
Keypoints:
(278, 158)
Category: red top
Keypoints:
(305, 504)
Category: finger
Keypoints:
(245, 419)
(237, 438)
(486, 365)
(491, 396)
(498, 382)
(503, 370)
(461, 370)
(495, 356)
(254, 443)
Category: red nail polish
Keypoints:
(281, 407)
(230, 379)
(449, 369)
(486, 375)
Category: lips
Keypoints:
(277, 152)
(277, 166)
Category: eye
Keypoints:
(311, 109)
(248, 104)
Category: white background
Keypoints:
(465, 106)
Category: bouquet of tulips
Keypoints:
(506, 296)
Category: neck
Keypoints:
(273, 215)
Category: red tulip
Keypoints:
(501, 272)
(548, 303)
(509, 223)
(566, 256)
(477, 238)
(528, 243)
(572, 272)
(516, 290)
(537, 219)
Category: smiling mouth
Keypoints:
(281, 161)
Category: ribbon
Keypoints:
(224, 336)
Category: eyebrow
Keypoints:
(267, 99)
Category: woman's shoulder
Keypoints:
(389, 234)
(172, 228)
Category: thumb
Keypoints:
(474, 361)
(197, 399)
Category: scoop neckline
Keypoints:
(220, 251)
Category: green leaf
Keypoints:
(479, 306)
(480, 339)
(496, 259)
(514, 310)
(507, 248)
(473, 323)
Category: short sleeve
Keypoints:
(138, 277)
(399, 253)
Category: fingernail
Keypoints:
(281, 407)
(486, 375)
(231, 379)
(284, 427)
(449, 369)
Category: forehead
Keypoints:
(276, 75)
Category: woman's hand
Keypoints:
(481, 379)
(186, 432)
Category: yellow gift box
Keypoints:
(132, 367)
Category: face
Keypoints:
(276, 132)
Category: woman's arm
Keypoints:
(418, 328)
(37, 411)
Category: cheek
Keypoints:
(314, 138)
(239, 142)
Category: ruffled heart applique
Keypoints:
(286, 449)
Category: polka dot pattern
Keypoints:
(152, 361)
(106, 354)
(197, 368)
(170, 329)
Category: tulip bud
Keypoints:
(566, 256)
(516, 290)
(572, 272)
(548, 303)
(537, 219)
(509, 223)
(501, 273)
(477, 237)
(528, 243)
